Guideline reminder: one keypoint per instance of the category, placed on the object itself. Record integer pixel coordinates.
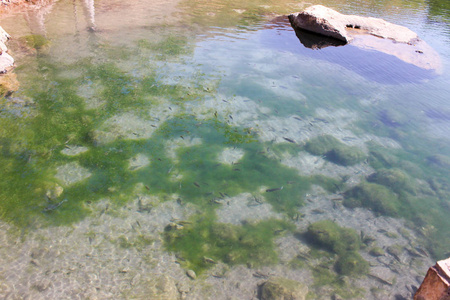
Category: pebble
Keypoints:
(191, 274)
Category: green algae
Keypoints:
(110, 174)
(344, 242)
(168, 47)
(351, 264)
(321, 145)
(373, 196)
(394, 179)
(334, 150)
(330, 184)
(202, 242)
(324, 275)
(376, 251)
(36, 41)
(332, 237)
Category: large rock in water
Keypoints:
(279, 288)
(328, 22)
(367, 33)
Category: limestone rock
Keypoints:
(366, 33)
(4, 36)
(3, 48)
(328, 22)
(6, 63)
(279, 288)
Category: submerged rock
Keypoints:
(376, 251)
(191, 274)
(373, 196)
(279, 288)
(334, 150)
(158, 287)
(8, 83)
(331, 236)
(351, 263)
(71, 173)
(54, 192)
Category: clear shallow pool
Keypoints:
(203, 136)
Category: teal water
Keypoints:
(204, 136)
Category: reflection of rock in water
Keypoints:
(316, 41)
(358, 56)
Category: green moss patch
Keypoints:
(203, 242)
(332, 237)
(36, 41)
(376, 197)
(351, 264)
(394, 179)
(324, 275)
(334, 150)
(345, 242)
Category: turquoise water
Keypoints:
(156, 138)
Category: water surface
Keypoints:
(152, 138)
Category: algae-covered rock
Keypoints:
(439, 160)
(346, 155)
(376, 251)
(395, 250)
(379, 158)
(334, 150)
(373, 196)
(395, 179)
(331, 236)
(351, 263)
(279, 288)
(321, 144)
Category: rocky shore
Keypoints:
(8, 80)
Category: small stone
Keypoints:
(54, 193)
(191, 274)
(183, 289)
(376, 251)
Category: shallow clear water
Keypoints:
(152, 138)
